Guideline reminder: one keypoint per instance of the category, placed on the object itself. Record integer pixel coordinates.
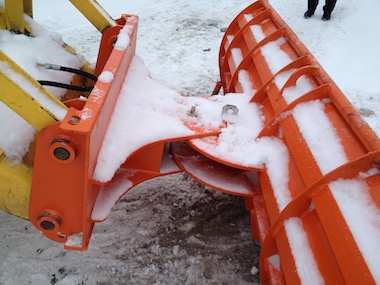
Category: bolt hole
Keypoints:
(47, 225)
(74, 120)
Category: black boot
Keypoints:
(326, 16)
(311, 6)
(327, 9)
(308, 14)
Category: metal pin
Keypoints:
(192, 111)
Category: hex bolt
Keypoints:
(227, 108)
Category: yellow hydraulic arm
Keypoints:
(94, 13)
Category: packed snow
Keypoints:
(306, 265)
(320, 135)
(359, 210)
(160, 233)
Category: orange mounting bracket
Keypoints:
(63, 193)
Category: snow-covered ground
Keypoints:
(173, 230)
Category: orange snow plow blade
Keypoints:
(320, 225)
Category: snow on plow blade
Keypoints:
(317, 211)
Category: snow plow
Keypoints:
(282, 135)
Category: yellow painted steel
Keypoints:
(15, 185)
(94, 13)
(3, 19)
(15, 15)
(28, 8)
(12, 18)
(21, 102)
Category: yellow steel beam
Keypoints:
(28, 8)
(14, 10)
(20, 101)
(12, 15)
(15, 185)
(3, 19)
(94, 13)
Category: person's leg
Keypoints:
(311, 6)
(327, 9)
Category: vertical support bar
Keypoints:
(28, 8)
(14, 10)
(15, 185)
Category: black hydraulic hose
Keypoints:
(80, 72)
(68, 69)
(66, 86)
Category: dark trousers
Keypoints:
(327, 9)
